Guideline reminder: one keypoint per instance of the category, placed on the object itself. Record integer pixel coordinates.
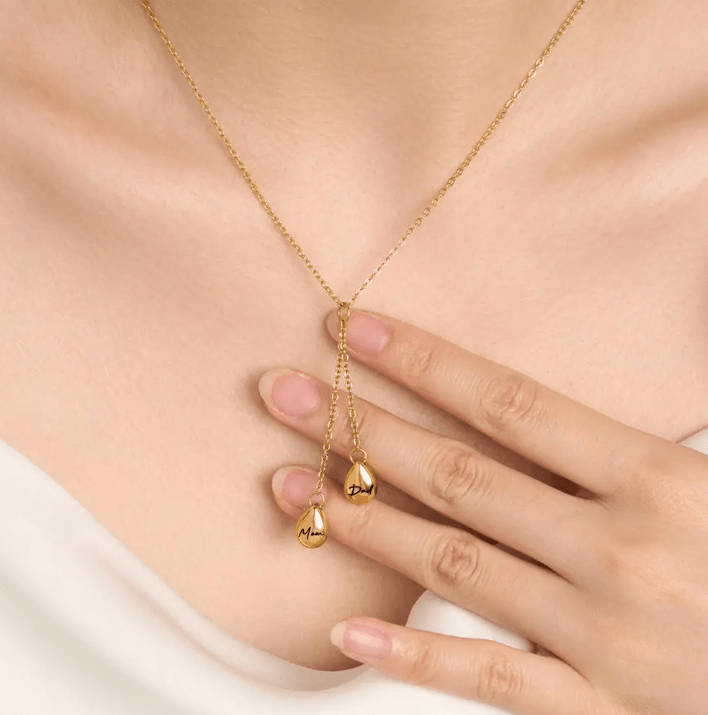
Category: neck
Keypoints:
(336, 61)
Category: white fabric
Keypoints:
(86, 628)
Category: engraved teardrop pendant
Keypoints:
(312, 528)
(361, 484)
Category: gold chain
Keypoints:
(344, 307)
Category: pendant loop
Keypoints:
(320, 495)
(359, 451)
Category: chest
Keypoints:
(142, 296)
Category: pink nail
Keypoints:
(365, 333)
(294, 486)
(294, 394)
(362, 640)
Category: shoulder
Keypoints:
(73, 48)
(69, 74)
(634, 92)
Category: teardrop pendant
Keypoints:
(311, 528)
(361, 483)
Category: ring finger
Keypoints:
(518, 595)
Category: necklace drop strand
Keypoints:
(361, 483)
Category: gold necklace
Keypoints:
(361, 483)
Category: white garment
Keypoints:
(86, 628)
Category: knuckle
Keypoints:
(509, 399)
(423, 663)
(611, 563)
(639, 568)
(418, 361)
(655, 479)
(648, 468)
(456, 472)
(455, 561)
(499, 679)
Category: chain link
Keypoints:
(344, 307)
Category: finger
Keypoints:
(535, 421)
(518, 595)
(449, 477)
(481, 670)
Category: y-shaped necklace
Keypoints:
(360, 485)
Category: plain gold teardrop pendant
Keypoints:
(361, 483)
(311, 528)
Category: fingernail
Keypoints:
(291, 393)
(294, 486)
(362, 640)
(366, 334)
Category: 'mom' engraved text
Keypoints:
(309, 533)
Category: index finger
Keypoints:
(541, 424)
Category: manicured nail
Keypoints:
(294, 486)
(366, 334)
(361, 640)
(291, 393)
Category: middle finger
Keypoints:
(517, 595)
(448, 476)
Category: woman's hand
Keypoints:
(616, 583)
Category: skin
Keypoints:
(616, 603)
(144, 291)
